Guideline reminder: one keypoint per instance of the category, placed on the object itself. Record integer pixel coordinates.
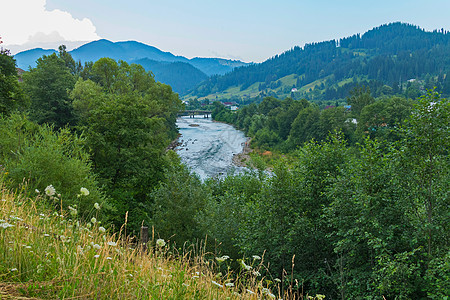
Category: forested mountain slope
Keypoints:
(389, 55)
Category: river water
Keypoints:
(207, 147)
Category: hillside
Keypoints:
(181, 76)
(49, 254)
(385, 57)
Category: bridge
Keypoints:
(192, 113)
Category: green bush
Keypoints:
(35, 157)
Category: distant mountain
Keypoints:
(28, 58)
(126, 51)
(181, 76)
(388, 57)
(129, 51)
(180, 72)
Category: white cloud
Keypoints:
(29, 22)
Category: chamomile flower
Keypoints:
(50, 190)
(84, 191)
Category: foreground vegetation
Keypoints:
(51, 254)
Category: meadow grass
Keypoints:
(47, 254)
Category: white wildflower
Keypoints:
(250, 292)
(267, 292)
(93, 220)
(222, 259)
(256, 257)
(108, 258)
(245, 266)
(39, 268)
(84, 191)
(6, 225)
(73, 211)
(14, 218)
(160, 242)
(96, 256)
(112, 243)
(96, 246)
(96, 206)
(216, 283)
(13, 269)
(50, 190)
(277, 280)
(37, 191)
(102, 229)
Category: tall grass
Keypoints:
(47, 254)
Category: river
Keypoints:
(207, 147)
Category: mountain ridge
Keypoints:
(390, 54)
(178, 71)
(129, 51)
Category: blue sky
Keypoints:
(249, 30)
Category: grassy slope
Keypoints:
(46, 255)
(286, 83)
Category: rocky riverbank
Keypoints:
(242, 159)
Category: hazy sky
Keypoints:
(249, 30)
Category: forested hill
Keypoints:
(181, 76)
(389, 55)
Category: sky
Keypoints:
(248, 30)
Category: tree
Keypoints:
(128, 120)
(426, 167)
(11, 94)
(305, 126)
(359, 97)
(382, 118)
(177, 202)
(48, 86)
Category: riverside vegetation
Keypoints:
(360, 211)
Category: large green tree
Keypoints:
(48, 86)
(128, 120)
(11, 94)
